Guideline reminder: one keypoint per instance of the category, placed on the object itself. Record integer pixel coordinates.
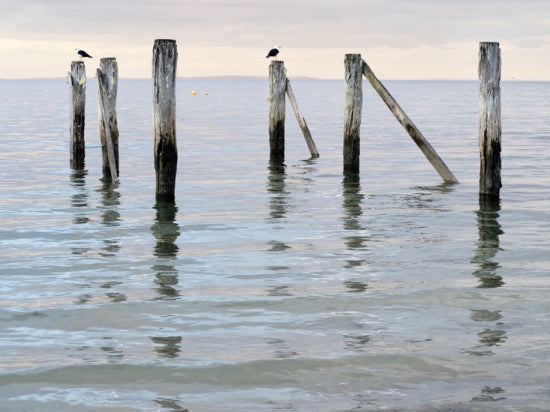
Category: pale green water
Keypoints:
(267, 287)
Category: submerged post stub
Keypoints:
(78, 114)
(490, 128)
(107, 80)
(165, 58)
(276, 98)
(352, 112)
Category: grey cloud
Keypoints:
(252, 23)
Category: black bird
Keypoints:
(82, 53)
(273, 52)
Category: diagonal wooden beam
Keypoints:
(409, 126)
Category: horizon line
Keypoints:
(237, 77)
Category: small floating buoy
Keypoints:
(193, 92)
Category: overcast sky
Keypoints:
(400, 39)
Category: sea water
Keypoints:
(274, 286)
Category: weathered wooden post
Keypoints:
(301, 121)
(489, 119)
(165, 58)
(352, 112)
(107, 80)
(78, 115)
(409, 126)
(277, 88)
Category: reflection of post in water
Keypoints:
(80, 197)
(171, 404)
(351, 188)
(488, 243)
(278, 206)
(492, 335)
(168, 346)
(282, 349)
(276, 187)
(166, 231)
(110, 201)
(79, 201)
(487, 247)
(114, 353)
(490, 394)
(110, 215)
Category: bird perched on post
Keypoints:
(273, 52)
(82, 53)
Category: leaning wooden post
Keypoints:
(107, 80)
(165, 58)
(489, 119)
(277, 88)
(409, 126)
(352, 112)
(111, 173)
(301, 121)
(78, 85)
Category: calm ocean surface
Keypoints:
(274, 287)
